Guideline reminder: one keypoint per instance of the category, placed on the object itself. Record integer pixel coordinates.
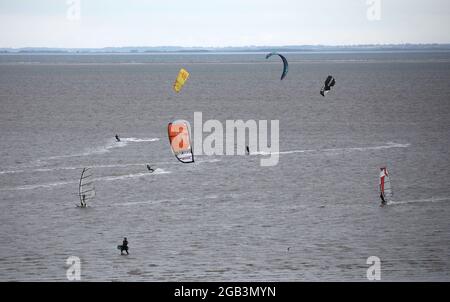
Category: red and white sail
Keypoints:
(385, 184)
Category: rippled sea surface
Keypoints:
(313, 217)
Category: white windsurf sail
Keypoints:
(86, 188)
(385, 184)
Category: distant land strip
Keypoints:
(231, 49)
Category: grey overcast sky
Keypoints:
(102, 23)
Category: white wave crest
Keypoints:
(104, 178)
(442, 199)
(137, 175)
(337, 150)
(111, 144)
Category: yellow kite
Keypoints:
(182, 77)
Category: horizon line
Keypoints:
(247, 47)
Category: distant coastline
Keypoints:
(180, 49)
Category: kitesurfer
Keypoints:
(124, 246)
(150, 168)
(248, 150)
(117, 138)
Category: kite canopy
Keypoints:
(182, 77)
(180, 141)
(285, 63)
(329, 82)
